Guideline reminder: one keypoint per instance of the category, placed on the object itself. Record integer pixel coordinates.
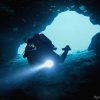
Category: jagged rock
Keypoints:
(76, 79)
(95, 44)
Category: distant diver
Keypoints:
(39, 47)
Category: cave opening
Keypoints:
(69, 28)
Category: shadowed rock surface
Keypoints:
(95, 44)
(77, 78)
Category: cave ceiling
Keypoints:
(20, 17)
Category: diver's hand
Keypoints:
(66, 48)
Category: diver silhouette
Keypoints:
(39, 47)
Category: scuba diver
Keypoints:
(39, 47)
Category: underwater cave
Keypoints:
(69, 28)
(64, 22)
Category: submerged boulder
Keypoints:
(95, 44)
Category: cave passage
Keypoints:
(70, 28)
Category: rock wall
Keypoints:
(95, 44)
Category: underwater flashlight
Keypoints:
(49, 64)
